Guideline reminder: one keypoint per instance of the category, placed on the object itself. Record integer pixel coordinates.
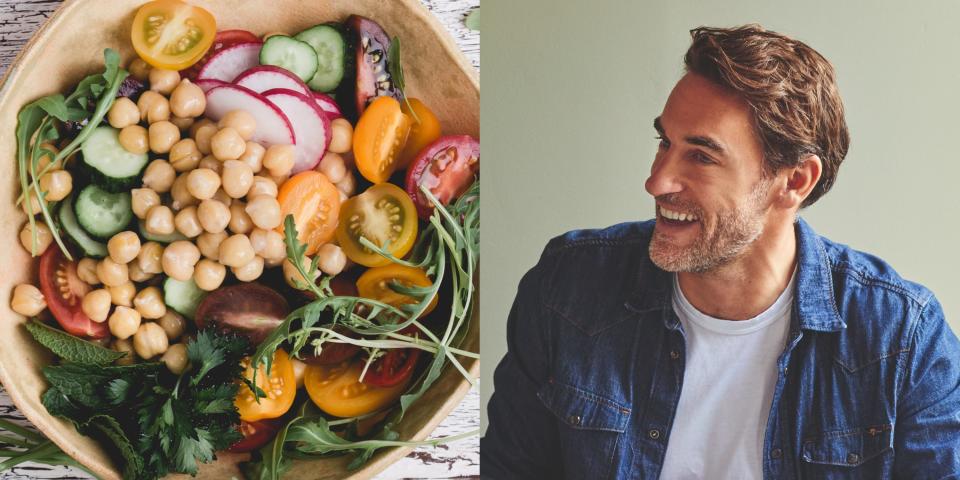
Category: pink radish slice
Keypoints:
(310, 125)
(226, 64)
(206, 84)
(267, 77)
(273, 127)
(328, 105)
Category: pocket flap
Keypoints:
(848, 447)
(582, 409)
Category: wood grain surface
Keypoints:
(19, 19)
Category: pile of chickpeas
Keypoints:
(216, 187)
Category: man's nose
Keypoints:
(664, 175)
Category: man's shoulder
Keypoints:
(628, 234)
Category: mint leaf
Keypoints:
(70, 348)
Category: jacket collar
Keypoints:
(813, 298)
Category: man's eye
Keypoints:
(664, 143)
(702, 158)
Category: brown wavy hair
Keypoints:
(791, 89)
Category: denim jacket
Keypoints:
(868, 382)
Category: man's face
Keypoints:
(708, 164)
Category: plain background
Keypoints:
(571, 89)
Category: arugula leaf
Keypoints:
(69, 347)
(396, 73)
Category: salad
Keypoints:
(246, 243)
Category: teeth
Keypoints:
(683, 217)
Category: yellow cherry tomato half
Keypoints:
(379, 137)
(280, 386)
(171, 34)
(383, 214)
(337, 390)
(422, 133)
(375, 284)
(315, 204)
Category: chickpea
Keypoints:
(142, 200)
(239, 220)
(27, 300)
(175, 358)
(237, 178)
(153, 107)
(134, 139)
(249, 272)
(184, 155)
(187, 222)
(96, 305)
(211, 162)
(183, 123)
(139, 69)
(87, 271)
(268, 244)
(48, 152)
(137, 274)
(203, 183)
(172, 324)
(213, 215)
(299, 371)
(180, 194)
(159, 174)
(292, 275)
(122, 295)
(57, 184)
(209, 244)
(199, 123)
(150, 340)
(149, 302)
(31, 205)
(179, 259)
(332, 259)
(279, 159)
(236, 251)
(333, 166)
(278, 179)
(123, 113)
(187, 100)
(124, 247)
(125, 346)
(253, 156)
(163, 80)
(124, 322)
(44, 236)
(222, 197)
(148, 260)
(341, 140)
(112, 273)
(227, 144)
(209, 274)
(241, 121)
(163, 135)
(159, 220)
(203, 135)
(262, 186)
(348, 185)
(264, 211)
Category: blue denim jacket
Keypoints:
(868, 385)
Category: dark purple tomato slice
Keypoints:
(248, 309)
(447, 167)
(373, 79)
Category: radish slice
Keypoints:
(328, 105)
(273, 127)
(310, 125)
(267, 77)
(206, 84)
(226, 64)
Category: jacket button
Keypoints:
(574, 419)
(674, 354)
(853, 458)
(654, 433)
(776, 453)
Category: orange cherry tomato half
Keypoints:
(315, 204)
(422, 133)
(338, 391)
(379, 137)
(172, 34)
(383, 214)
(280, 387)
(375, 284)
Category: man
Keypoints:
(725, 338)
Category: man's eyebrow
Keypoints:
(700, 140)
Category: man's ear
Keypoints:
(799, 181)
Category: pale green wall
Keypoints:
(570, 89)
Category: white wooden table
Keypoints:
(20, 18)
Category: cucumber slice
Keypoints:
(68, 222)
(108, 164)
(184, 297)
(103, 214)
(291, 54)
(169, 238)
(327, 40)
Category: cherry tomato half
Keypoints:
(338, 391)
(383, 213)
(172, 34)
(280, 387)
(223, 39)
(63, 291)
(379, 137)
(394, 367)
(333, 353)
(255, 435)
(315, 204)
(422, 133)
(375, 284)
(447, 167)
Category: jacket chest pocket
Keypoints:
(849, 454)
(590, 427)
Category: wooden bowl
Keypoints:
(70, 45)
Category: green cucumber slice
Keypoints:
(108, 164)
(331, 47)
(89, 246)
(291, 54)
(103, 214)
(184, 297)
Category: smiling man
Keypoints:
(725, 338)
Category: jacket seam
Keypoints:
(596, 398)
(914, 335)
(871, 362)
(870, 280)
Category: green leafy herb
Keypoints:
(396, 72)
(69, 347)
(473, 20)
(30, 447)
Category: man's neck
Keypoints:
(749, 285)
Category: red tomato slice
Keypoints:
(447, 167)
(63, 291)
(224, 39)
(333, 353)
(395, 367)
(255, 435)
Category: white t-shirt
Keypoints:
(728, 383)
